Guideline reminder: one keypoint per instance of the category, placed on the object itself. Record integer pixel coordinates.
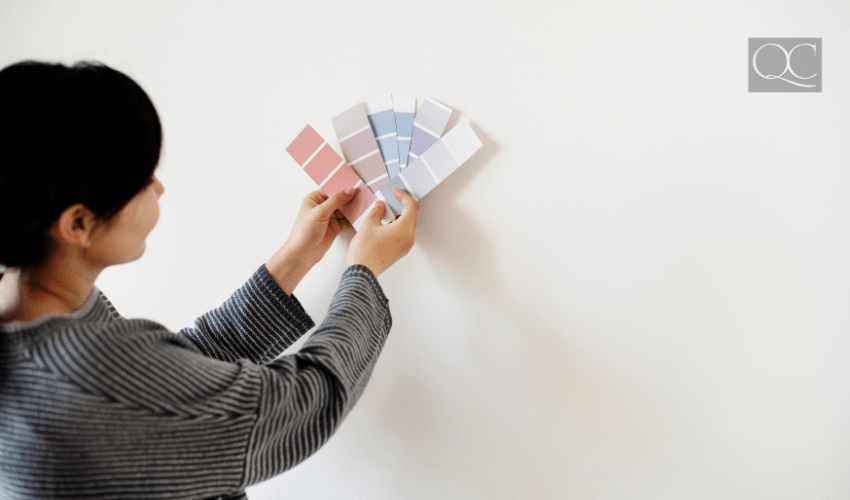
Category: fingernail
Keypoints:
(349, 191)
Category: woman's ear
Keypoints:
(75, 226)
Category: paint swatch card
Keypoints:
(428, 127)
(405, 108)
(332, 174)
(435, 164)
(359, 147)
(382, 120)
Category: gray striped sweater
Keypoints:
(94, 405)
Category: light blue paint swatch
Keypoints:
(405, 109)
(382, 120)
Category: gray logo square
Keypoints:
(785, 64)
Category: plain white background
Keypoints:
(639, 288)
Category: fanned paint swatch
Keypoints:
(331, 173)
(428, 127)
(435, 164)
(382, 120)
(359, 147)
(405, 108)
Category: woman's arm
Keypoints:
(184, 423)
(263, 318)
(257, 322)
(215, 427)
(305, 396)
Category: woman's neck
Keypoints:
(29, 294)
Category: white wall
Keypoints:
(638, 289)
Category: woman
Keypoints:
(94, 405)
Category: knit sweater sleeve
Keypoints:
(257, 322)
(305, 396)
(184, 424)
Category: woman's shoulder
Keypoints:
(95, 332)
(80, 341)
(134, 365)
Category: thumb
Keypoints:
(327, 207)
(410, 208)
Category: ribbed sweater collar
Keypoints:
(97, 308)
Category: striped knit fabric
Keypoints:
(94, 405)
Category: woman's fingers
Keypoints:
(410, 208)
(328, 206)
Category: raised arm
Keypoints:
(215, 427)
(306, 395)
(257, 322)
(263, 318)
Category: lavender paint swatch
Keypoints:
(405, 108)
(435, 164)
(428, 126)
(381, 117)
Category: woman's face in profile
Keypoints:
(124, 240)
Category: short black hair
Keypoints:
(80, 134)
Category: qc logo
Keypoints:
(785, 64)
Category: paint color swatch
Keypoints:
(382, 120)
(435, 164)
(359, 147)
(331, 174)
(405, 108)
(428, 127)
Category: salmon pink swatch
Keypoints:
(331, 173)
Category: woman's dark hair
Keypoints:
(81, 134)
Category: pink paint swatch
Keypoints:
(359, 146)
(331, 173)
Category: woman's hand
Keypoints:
(378, 246)
(317, 225)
